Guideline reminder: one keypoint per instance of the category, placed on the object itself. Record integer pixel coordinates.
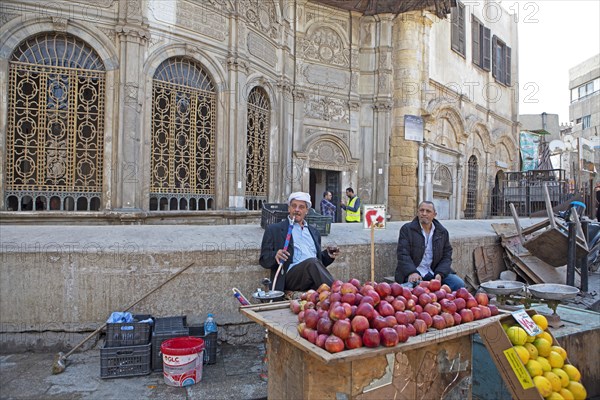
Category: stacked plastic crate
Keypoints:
(166, 328)
(127, 349)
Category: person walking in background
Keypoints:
(353, 206)
(327, 207)
(424, 251)
(597, 190)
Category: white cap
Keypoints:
(302, 196)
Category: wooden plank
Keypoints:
(550, 246)
(281, 321)
(286, 370)
(489, 262)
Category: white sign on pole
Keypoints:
(374, 216)
(413, 128)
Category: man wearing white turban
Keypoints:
(304, 263)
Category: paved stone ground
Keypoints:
(235, 375)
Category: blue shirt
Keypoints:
(304, 244)
(425, 267)
(328, 208)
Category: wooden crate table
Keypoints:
(436, 364)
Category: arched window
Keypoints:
(183, 137)
(55, 137)
(472, 188)
(257, 145)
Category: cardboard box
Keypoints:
(509, 365)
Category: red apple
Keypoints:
(367, 299)
(301, 316)
(389, 337)
(493, 309)
(448, 306)
(418, 309)
(314, 297)
(354, 341)
(434, 298)
(348, 288)
(366, 287)
(324, 325)
(471, 302)
(403, 334)
(366, 309)
(448, 318)
(325, 304)
(379, 323)
(457, 318)
(438, 322)
(411, 316)
(311, 335)
(477, 313)
(482, 298)
(359, 324)
(406, 293)
(334, 344)
(450, 296)
(300, 328)
(391, 321)
(398, 305)
(389, 298)
(427, 318)
(440, 294)
(466, 315)
(323, 288)
(396, 289)
(335, 297)
(485, 312)
(383, 289)
(355, 282)
(460, 303)
(311, 316)
(434, 285)
(418, 290)
(295, 306)
(349, 298)
(384, 308)
(401, 317)
(341, 328)
(463, 293)
(424, 299)
(410, 329)
(321, 340)
(446, 288)
(353, 311)
(336, 313)
(375, 296)
(347, 309)
(357, 298)
(424, 284)
(420, 326)
(410, 304)
(371, 338)
(432, 309)
(308, 304)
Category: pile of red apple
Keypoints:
(350, 315)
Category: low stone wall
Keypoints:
(60, 283)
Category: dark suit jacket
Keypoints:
(411, 248)
(274, 239)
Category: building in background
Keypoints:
(130, 111)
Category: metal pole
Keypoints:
(571, 254)
(583, 261)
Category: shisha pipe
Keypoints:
(285, 247)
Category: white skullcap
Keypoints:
(302, 196)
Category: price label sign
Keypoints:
(526, 322)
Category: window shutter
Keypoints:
(494, 57)
(454, 29)
(475, 45)
(486, 48)
(507, 66)
(461, 27)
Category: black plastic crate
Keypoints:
(273, 213)
(157, 339)
(116, 362)
(129, 333)
(210, 343)
(321, 222)
(170, 324)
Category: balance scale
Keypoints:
(551, 294)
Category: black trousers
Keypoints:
(309, 274)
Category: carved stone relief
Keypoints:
(4, 17)
(321, 16)
(261, 15)
(326, 77)
(325, 152)
(342, 134)
(327, 109)
(325, 45)
(262, 49)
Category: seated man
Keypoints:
(424, 250)
(304, 264)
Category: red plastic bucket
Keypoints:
(182, 360)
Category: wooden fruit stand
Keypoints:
(436, 364)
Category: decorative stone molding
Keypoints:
(238, 64)
(325, 45)
(197, 17)
(131, 31)
(342, 134)
(326, 152)
(319, 16)
(326, 77)
(383, 106)
(60, 24)
(262, 49)
(5, 17)
(327, 109)
(354, 105)
(262, 15)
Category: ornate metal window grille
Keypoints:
(183, 137)
(55, 137)
(257, 145)
(472, 188)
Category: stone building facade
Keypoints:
(153, 111)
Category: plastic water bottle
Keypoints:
(210, 325)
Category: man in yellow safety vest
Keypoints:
(353, 206)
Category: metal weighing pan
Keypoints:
(502, 287)
(553, 291)
(271, 295)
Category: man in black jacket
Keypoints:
(424, 250)
(304, 263)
